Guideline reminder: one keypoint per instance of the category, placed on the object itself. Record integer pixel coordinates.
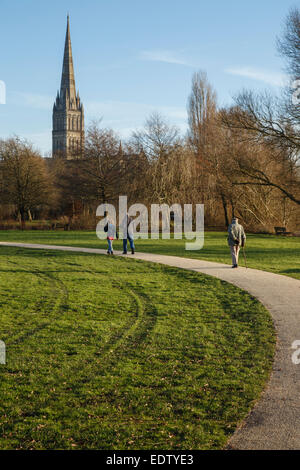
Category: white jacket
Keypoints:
(111, 231)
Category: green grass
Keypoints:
(103, 353)
(267, 252)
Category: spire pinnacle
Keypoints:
(68, 79)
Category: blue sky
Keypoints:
(132, 57)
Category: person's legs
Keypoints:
(109, 251)
(233, 256)
(237, 251)
(131, 244)
(124, 245)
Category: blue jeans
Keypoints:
(125, 244)
(110, 247)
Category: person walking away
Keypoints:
(110, 228)
(127, 227)
(236, 239)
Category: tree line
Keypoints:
(242, 160)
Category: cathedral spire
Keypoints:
(68, 113)
(68, 78)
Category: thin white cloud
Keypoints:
(170, 57)
(31, 100)
(125, 117)
(122, 113)
(271, 78)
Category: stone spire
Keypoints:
(68, 78)
(68, 114)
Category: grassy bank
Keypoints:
(102, 353)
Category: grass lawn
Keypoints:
(103, 353)
(268, 252)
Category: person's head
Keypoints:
(235, 220)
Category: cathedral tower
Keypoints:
(68, 115)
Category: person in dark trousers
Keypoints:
(236, 239)
(127, 227)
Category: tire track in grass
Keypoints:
(125, 342)
(116, 348)
(60, 293)
(61, 296)
(130, 329)
(138, 331)
(116, 340)
(128, 326)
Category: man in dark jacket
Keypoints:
(128, 233)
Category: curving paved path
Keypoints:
(274, 422)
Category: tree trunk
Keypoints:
(22, 214)
(225, 210)
(232, 209)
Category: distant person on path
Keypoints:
(127, 228)
(111, 231)
(236, 239)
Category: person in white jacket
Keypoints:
(111, 231)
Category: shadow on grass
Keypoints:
(290, 271)
(42, 253)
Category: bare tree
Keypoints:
(289, 43)
(157, 138)
(103, 164)
(273, 121)
(202, 106)
(160, 143)
(256, 124)
(24, 179)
